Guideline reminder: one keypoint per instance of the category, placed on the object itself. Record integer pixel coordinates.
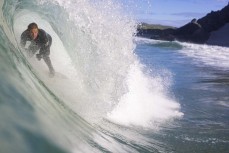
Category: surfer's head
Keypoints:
(33, 30)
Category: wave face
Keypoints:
(99, 80)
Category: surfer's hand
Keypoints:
(38, 56)
(45, 45)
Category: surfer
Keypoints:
(40, 40)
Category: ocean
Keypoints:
(112, 92)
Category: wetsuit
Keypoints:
(42, 42)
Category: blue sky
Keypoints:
(170, 12)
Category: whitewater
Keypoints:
(107, 95)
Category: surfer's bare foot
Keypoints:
(52, 73)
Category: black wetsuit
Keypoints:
(42, 43)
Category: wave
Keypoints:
(171, 45)
(209, 55)
(214, 56)
(98, 77)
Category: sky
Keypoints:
(170, 12)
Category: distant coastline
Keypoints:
(212, 29)
(154, 31)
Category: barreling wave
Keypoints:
(98, 77)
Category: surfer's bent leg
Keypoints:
(45, 52)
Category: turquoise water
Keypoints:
(112, 92)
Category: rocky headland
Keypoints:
(211, 29)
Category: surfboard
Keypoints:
(59, 75)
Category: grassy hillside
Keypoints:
(147, 26)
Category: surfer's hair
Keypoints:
(32, 26)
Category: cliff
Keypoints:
(198, 31)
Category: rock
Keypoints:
(220, 37)
(191, 32)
